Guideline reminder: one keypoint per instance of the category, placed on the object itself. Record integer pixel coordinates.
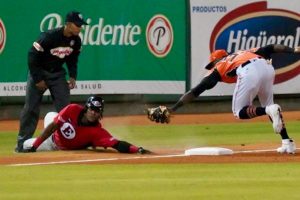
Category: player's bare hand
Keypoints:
(72, 83)
(297, 49)
(41, 85)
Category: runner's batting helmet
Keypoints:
(95, 103)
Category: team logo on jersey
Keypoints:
(159, 35)
(61, 52)
(68, 131)
(2, 36)
(258, 26)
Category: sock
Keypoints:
(260, 111)
(284, 134)
(249, 112)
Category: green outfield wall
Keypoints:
(129, 46)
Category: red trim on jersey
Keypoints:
(37, 142)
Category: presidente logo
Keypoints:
(99, 33)
(2, 36)
(159, 35)
(254, 25)
(50, 21)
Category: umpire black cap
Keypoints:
(76, 18)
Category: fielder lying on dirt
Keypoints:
(253, 74)
(77, 127)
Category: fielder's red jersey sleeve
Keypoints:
(71, 135)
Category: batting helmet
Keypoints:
(215, 56)
(95, 103)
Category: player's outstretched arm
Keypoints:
(162, 114)
(45, 134)
(208, 82)
(279, 48)
(125, 147)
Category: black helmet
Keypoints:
(95, 103)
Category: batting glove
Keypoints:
(141, 150)
(30, 150)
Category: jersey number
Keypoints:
(68, 131)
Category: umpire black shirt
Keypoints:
(50, 51)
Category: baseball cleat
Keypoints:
(288, 146)
(274, 111)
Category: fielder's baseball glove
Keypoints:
(160, 114)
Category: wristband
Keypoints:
(37, 142)
(133, 149)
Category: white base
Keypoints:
(208, 151)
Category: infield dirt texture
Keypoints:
(261, 152)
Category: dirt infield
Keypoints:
(244, 154)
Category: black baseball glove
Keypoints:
(144, 151)
(29, 150)
(160, 114)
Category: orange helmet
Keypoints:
(215, 55)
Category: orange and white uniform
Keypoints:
(252, 72)
(231, 62)
(253, 75)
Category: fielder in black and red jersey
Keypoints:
(78, 127)
(46, 58)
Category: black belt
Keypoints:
(245, 63)
(249, 61)
(232, 73)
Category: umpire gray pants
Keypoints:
(29, 116)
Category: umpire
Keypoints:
(46, 57)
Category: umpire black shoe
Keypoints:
(18, 149)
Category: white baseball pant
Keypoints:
(254, 79)
(48, 144)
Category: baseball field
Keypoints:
(254, 171)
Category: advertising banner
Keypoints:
(128, 46)
(244, 24)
